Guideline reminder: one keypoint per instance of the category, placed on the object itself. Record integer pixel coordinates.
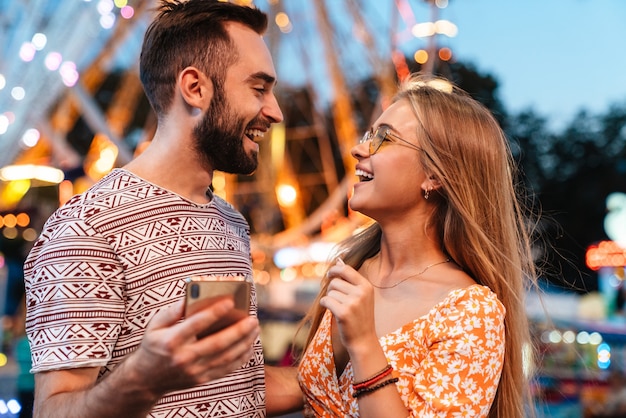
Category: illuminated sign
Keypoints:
(605, 254)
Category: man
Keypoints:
(105, 281)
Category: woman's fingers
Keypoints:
(346, 272)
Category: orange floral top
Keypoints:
(448, 361)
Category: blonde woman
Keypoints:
(423, 312)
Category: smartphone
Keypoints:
(203, 291)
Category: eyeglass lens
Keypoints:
(375, 140)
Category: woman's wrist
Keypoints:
(364, 348)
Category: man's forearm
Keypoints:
(169, 358)
(79, 397)
(283, 393)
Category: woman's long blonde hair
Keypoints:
(480, 218)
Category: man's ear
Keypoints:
(196, 88)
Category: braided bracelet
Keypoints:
(384, 372)
(366, 390)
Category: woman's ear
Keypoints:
(196, 89)
(430, 184)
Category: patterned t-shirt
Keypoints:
(448, 361)
(111, 258)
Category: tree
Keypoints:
(572, 173)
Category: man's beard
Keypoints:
(219, 138)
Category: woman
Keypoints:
(423, 312)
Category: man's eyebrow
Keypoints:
(262, 76)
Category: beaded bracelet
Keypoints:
(363, 383)
(366, 390)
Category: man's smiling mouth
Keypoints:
(254, 134)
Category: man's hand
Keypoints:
(169, 358)
(185, 361)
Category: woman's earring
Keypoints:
(427, 193)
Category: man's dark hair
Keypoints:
(191, 33)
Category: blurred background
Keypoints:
(554, 74)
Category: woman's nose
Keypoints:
(360, 150)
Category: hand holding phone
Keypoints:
(203, 291)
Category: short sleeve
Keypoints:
(460, 373)
(75, 296)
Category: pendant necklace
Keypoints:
(447, 260)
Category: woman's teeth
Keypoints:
(363, 175)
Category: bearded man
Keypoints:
(105, 282)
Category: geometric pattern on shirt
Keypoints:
(110, 258)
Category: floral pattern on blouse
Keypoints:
(448, 361)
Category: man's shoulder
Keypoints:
(117, 188)
(228, 211)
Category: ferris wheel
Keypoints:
(84, 112)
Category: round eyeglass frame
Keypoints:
(380, 135)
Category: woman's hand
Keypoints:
(350, 297)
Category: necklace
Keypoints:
(447, 260)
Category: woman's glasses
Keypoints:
(380, 135)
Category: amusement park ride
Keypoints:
(72, 108)
(71, 100)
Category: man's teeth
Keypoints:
(254, 133)
(364, 174)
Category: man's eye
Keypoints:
(261, 90)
